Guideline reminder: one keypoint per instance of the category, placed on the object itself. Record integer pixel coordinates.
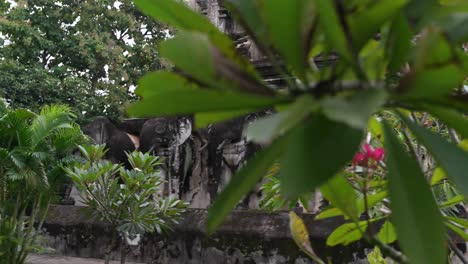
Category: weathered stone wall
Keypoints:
(246, 237)
(197, 164)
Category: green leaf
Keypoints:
(334, 33)
(356, 109)
(421, 11)
(457, 230)
(247, 12)
(194, 100)
(364, 25)
(438, 175)
(432, 82)
(268, 128)
(372, 200)
(291, 35)
(455, 25)
(455, 200)
(375, 128)
(398, 43)
(318, 150)
(209, 65)
(449, 156)
(301, 236)
(450, 117)
(347, 233)
(387, 233)
(327, 213)
(243, 182)
(415, 214)
(459, 221)
(339, 192)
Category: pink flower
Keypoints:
(370, 157)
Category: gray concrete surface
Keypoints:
(52, 259)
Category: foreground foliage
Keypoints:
(128, 201)
(397, 57)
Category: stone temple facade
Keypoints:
(198, 164)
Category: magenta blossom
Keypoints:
(370, 157)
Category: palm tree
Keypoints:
(34, 150)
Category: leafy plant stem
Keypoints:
(389, 251)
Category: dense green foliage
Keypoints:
(85, 54)
(397, 57)
(128, 201)
(35, 149)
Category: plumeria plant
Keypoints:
(340, 63)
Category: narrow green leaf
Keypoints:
(459, 221)
(455, 200)
(457, 230)
(449, 156)
(387, 233)
(318, 150)
(334, 33)
(243, 182)
(247, 13)
(364, 25)
(291, 34)
(347, 233)
(415, 214)
(356, 109)
(339, 192)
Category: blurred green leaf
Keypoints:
(209, 65)
(243, 182)
(398, 43)
(387, 233)
(318, 150)
(366, 24)
(432, 82)
(292, 34)
(340, 194)
(455, 25)
(268, 128)
(449, 156)
(356, 109)
(204, 119)
(415, 214)
(160, 89)
(332, 28)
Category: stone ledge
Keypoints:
(245, 237)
